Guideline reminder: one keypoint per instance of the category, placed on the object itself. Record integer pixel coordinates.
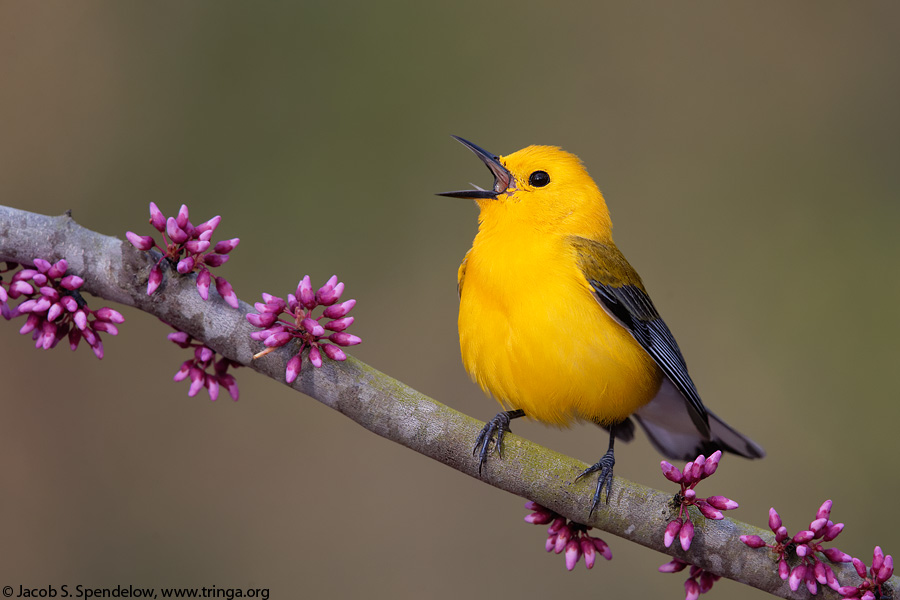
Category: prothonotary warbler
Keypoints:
(556, 325)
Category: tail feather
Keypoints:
(668, 424)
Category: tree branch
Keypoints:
(114, 270)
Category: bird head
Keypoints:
(540, 186)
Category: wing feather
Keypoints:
(620, 292)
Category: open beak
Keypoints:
(502, 177)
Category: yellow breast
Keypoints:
(533, 335)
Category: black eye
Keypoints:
(539, 179)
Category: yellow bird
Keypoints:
(556, 325)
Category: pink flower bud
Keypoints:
(330, 292)
(781, 534)
(183, 371)
(157, 219)
(154, 280)
(562, 539)
(670, 471)
(818, 526)
(832, 531)
(176, 233)
(315, 357)
(877, 559)
(42, 265)
(58, 269)
(868, 595)
(74, 338)
(305, 293)
(226, 246)
(811, 582)
(602, 548)
(293, 368)
(573, 553)
(183, 217)
(203, 353)
(278, 339)
(887, 569)
(803, 550)
(27, 306)
(344, 339)
(141, 242)
(71, 282)
(686, 535)
(41, 304)
(722, 503)
(691, 589)
(54, 311)
(212, 384)
(215, 260)
(80, 319)
(550, 544)
(185, 265)
(108, 314)
(209, 226)
(557, 524)
(588, 551)
(196, 246)
(673, 566)
(333, 352)
(847, 591)
(227, 292)
(230, 384)
(774, 520)
(860, 567)
(824, 511)
(203, 283)
(754, 541)
(539, 518)
(17, 288)
(803, 536)
(688, 473)
(672, 530)
(107, 327)
(39, 279)
(709, 511)
(181, 338)
(336, 311)
(798, 574)
(261, 320)
(313, 327)
(783, 569)
(339, 324)
(97, 348)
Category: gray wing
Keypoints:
(632, 308)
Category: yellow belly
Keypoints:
(536, 339)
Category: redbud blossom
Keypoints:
(281, 322)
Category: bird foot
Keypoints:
(499, 425)
(605, 466)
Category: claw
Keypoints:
(605, 466)
(499, 425)
(605, 479)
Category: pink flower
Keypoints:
(299, 323)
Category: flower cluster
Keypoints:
(569, 536)
(197, 368)
(187, 247)
(711, 508)
(55, 308)
(300, 324)
(882, 569)
(805, 545)
(699, 581)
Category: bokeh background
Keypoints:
(750, 154)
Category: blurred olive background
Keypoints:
(749, 154)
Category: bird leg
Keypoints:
(605, 466)
(498, 425)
